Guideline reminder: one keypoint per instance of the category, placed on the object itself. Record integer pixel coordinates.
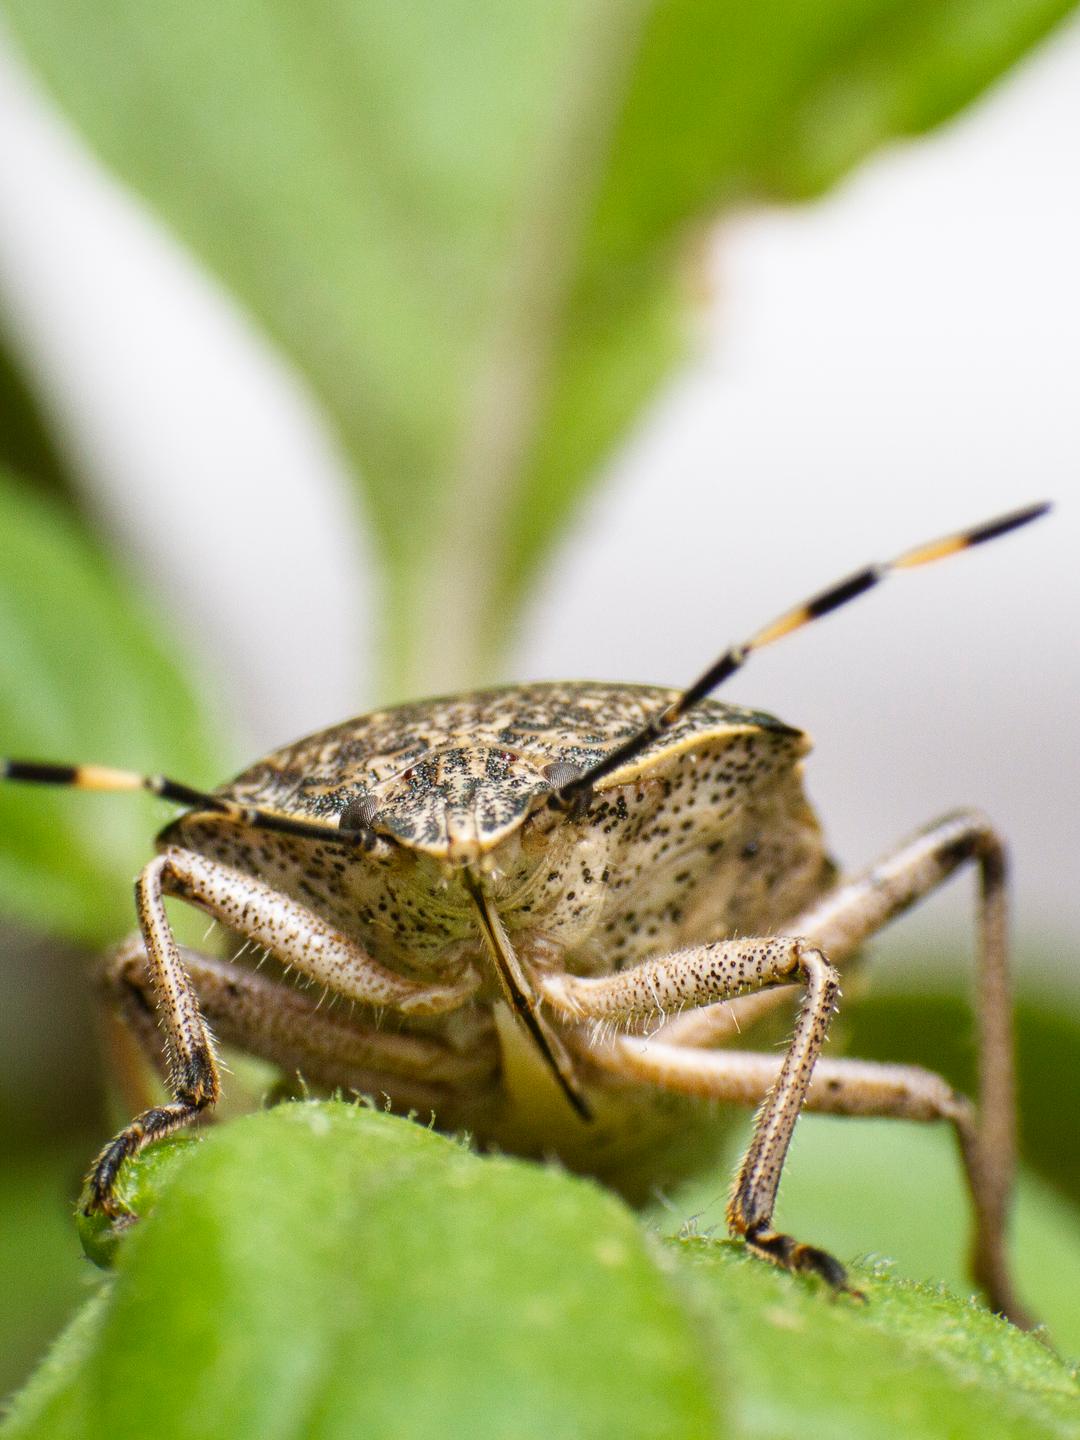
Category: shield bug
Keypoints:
(546, 907)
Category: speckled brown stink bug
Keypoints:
(547, 905)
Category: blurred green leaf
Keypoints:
(50, 1069)
(26, 446)
(937, 1030)
(49, 1404)
(322, 1270)
(84, 675)
(43, 1272)
(474, 225)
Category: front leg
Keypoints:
(294, 935)
(723, 971)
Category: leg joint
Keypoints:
(815, 970)
(195, 1080)
(976, 839)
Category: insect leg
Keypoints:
(332, 1048)
(729, 968)
(191, 1063)
(292, 933)
(838, 1087)
(133, 1035)
(298, 937)
(856, 909)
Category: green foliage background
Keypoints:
(473, 228)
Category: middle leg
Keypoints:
(329, 1046)
(838, 1087)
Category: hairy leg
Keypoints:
(837, 1087)
(856, 909)
(292, 934)
(706, 973)
(330, 1046)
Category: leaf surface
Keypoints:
(322, 1270)
(914, 1361)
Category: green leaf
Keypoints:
(39, 1257)
(26, 445)
(912, 1362)
(472, 224)
(321, 1270)
(84, 675)
(937, 1030)
(137, 1192)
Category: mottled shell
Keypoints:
(705, 834)
(453, 777)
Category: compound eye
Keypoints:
(561, 773)
(359, 813)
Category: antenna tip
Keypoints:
(1004, 523)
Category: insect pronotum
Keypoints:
(547, 907)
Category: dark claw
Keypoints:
(788, 1253)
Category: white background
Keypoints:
(896, 361)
